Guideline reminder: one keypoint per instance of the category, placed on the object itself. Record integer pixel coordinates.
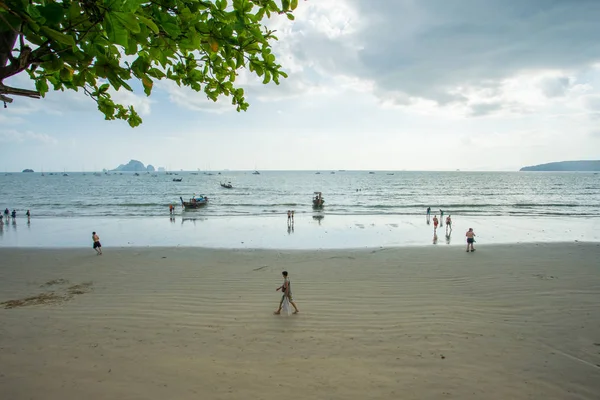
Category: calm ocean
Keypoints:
(345, 193)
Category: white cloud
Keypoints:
(18, 136)
(141, 103)
(195, 101)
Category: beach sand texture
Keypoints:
(506, 322)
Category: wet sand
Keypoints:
(310, 231)
(505, 322)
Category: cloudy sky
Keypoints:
(378, 84)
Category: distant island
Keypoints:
(583, 165)
(134, 166)
(27, 170)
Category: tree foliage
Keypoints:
(80, 45)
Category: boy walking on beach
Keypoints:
(470, 239)
(97, 245)
(286, 289)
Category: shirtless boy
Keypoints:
(97, 245)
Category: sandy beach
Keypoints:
(515, 321)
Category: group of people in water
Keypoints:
(470, 233)
(8, 215)
(439, 222)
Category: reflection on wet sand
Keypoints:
(318, 218)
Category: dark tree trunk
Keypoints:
(7, 44)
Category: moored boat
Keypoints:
(194, 202)
(318, 200)
(227, 185)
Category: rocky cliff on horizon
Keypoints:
(581, 165)
(131, 166)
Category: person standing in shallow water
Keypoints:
(470, 239)
(435, 222)
(286, 289)
(97, 245)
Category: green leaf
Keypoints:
(221, 4)
(267, 78)
(171, 29)
(66, 74)
(128, 20)
(147, 83)
(115, 31)
(104, 88)
(293, 4)
(291, 17)
(285, 5)
(59, 37)
(149, 23)
(53, 12)
(41, 85)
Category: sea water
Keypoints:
(519, 194)
(362, 209)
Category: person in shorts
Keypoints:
(470, 239)
(286, 289)
(97, 244)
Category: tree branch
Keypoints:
(34, 94)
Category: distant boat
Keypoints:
(256, 173)
(227, 185)
(65, 174)
(371, 173)
(136, 174)
(317, 173)
(177, 179)
(390, 174)
(332, 172)
(193, 173)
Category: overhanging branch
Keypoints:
(11, 91)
